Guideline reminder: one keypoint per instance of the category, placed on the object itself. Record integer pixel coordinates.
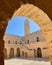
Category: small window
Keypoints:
(27, 41)
(8, 42)
(37, 39)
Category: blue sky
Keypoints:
(16, 26)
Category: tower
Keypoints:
(26, 28)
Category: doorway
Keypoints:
(39, 53)
(18, 52)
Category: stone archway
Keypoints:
(39, 53)
(8, 11)
(11, 53)
(18, 52)
(40, 17)
(5, 53)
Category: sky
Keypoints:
(16, 26)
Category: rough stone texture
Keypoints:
(10, 6)
(7, 8)
(29, 48)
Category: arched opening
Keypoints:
(11, 53)
(22, 53)
(38, 17)
(5, 53)
(39, 53)
(25, 27)
(18, 52)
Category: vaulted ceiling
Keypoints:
(7, 7)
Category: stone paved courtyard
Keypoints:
(20, 61)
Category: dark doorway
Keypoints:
(18, 52)
(12, 53)
(39, 53)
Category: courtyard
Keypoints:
(25, 61)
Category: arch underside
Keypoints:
(37, 15)
(7, 7)
(30, 11)
(41, 18)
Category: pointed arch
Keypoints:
(39, 53)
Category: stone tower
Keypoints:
(27, 28)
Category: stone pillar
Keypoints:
(51, 60)
(48, 34)
(15, 53)
(3, 25)
(8, 53)
(1, 52)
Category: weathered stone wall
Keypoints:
(7, 8)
